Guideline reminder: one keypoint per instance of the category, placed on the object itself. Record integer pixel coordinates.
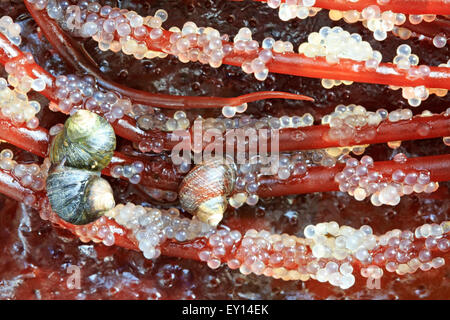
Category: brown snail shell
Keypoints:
(204, 190)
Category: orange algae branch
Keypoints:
(33, 140)
(386, 73)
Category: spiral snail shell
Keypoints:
(78, 196)
(204, 190)
(86, 142)
(79, 152)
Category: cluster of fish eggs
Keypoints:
(400, 114)
(345, 121)
(283, 122)
(130, 171)
(380, 23)
(15, 105)
(279, 256)
(275, 123)
(332, 241)
(398, 255)
(405, 60)
(74, 92)
(376, 21)
(14, 102)
(155, 145)
(131, 29)
(258, 252)
(360, 180)
(178, 122)
(257, 66)
(273, 255)
(230, 111)
(151, 226)
(220, 244)
(405, 254)
(328, 252)
(204, 45)
(246, 185)
(248, 126)
(149, 118)
(292, 9)
(11, 30)
(98, 231)
(243, 42)
(191, 43)
(30, 175)
(335, 44)
(330, 83)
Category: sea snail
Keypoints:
(204, 190)
(78, 153)
(86, 142)
(78, 196)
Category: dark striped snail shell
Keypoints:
(78, 196)
(86, 142)
(79, 152)
(204, 190)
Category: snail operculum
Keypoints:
(86, 142)
(204, 190)
(78, 196)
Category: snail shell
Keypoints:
(86, 142)
(204, 190)
(78, 196)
